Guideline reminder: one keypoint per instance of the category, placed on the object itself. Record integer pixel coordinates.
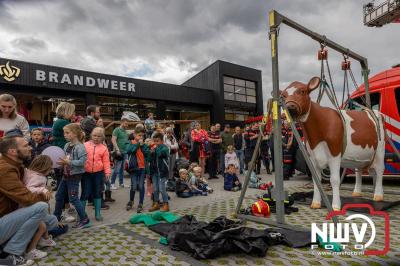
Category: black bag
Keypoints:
(171, 185)
(132, 163)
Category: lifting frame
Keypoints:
(275, 19)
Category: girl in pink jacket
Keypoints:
(35, 179)
(97, 169)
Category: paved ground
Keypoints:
(116, 242)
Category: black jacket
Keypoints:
(38, 149)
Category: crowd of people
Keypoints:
(85, 176)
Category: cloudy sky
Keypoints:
(171, 40)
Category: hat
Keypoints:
(260, 208)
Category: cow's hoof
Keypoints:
(315, 205)
(378, 197)
(356, 194)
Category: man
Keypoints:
(215, 139)
(91, 121)
(119, 140)
(250, 138)
(149, 124)
(238, 143)
(227, 140)
(18, 225)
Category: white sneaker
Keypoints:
(69, 215)
(35, 254)
(47, 242)
(113, 187)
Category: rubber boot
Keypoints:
(154, 207)
(108, 196)
(103, 205)
(165, 207)
(97, 208)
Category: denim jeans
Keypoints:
(19, 226)
(70, 185)
(92, 184)
(159, 187)
(137, 178)
(119, 170)
(240, 155)
(222, 162)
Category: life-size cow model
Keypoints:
(348, 141)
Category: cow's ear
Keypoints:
(313, 83)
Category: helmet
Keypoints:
(260, 208)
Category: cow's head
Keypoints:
(297, 97)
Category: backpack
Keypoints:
(132, 163)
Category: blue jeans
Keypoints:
(72, 187)
(119, 170)
(137, 178)
(19, 226)
(240, 155)
(222, 162)
(159, 187)
(92, 184)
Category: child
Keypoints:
(35, 180)
(200, 180)
(254, 181)
(159, 172)
(182, 185)
(230, 157)
(97, 169)
(231, 181)
(191, 167)
(138, 154)
(38, 142)
(74, 167)
(193, 182)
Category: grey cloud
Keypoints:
(108, 35)
(29, 44)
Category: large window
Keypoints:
(397, 95)
(375, 101)
(239, 90)
(237, 115)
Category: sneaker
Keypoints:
(113, 187)
(47, 242)
(204, 193)
(139, 208)
(35, 254)
(69, 215)
(121, 185)
(85, 223)
(16, 260)
(129, 206)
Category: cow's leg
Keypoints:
(377, 174)
(334, 167)
(316, 202)
(358, 185)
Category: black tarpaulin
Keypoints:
(221, 236)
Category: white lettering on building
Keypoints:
(86, 81)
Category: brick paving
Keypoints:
(116, 242)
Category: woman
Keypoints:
(9, 119)
(172, 144)
(200, 144)
(65, 112)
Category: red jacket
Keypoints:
(98, 158)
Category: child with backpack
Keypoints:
(138, 156)
(159, 172)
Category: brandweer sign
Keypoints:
(84, 81)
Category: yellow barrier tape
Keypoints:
(275, 110)
(287, 117)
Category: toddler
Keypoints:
(201, 182)
(231, 158)
(231, 181)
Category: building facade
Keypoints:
(223, 92)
